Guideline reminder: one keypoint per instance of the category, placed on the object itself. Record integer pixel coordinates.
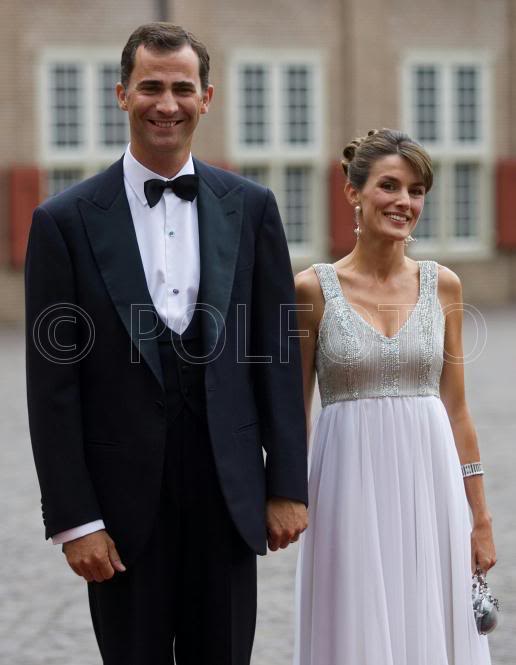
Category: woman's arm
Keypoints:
(310, 298)
(453, 395)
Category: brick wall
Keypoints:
(362, 42)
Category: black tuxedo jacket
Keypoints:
(94, 378)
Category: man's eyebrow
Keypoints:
(184, 84)
(158, 83)
(149, 82)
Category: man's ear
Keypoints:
(121, 97)
(207, 96)
(352, 194)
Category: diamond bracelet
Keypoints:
(472, 469)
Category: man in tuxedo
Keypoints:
(161, 361)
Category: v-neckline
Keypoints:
(366, 323)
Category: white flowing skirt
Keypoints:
(384, 569)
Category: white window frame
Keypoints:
(92, 155)
(276, 155)
(448, 152)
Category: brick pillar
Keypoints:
(506, 203)
(24, 195)
(341, 214)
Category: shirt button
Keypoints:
(171, 234)
(175, 291)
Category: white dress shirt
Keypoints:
(168, 240)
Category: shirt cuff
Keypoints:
(77, 532)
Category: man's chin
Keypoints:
(170, 145)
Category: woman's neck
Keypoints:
(378, 258)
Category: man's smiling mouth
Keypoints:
(165, 124)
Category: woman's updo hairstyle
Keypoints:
(361, 153)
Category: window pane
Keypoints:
(259, 174)
(113, 121)
(298, 198)
(61, 179)
(467, 111)
(466, 200)
(297, 88)
(426, 82)
(428, 225)
(66, 104)
(254, 105)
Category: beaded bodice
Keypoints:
(355, 361)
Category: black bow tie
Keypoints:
(186, 187)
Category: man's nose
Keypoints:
(167, 103)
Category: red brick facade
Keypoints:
(24, 195)
(506, 204)
(342, 239)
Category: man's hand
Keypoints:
(93, 557)
(285, 520)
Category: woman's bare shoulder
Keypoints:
(308, 285)
(450, 287)
(308, 292)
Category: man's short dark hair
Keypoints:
(161, 36)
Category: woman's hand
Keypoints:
(483, 553)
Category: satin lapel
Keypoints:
(220, 223)
(113, 241)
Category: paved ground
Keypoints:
(43, 613)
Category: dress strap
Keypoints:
(328, 279)
(428, 280)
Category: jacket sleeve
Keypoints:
(278, 383)
(58, 335)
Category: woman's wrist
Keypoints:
(482, 519)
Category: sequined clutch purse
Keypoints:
(485, 606)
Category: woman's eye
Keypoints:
(388, 186)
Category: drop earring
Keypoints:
(409, 239)
(357, 229)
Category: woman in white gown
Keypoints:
(384, 571)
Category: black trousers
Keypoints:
(190, 598)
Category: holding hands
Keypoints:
(285, 520)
